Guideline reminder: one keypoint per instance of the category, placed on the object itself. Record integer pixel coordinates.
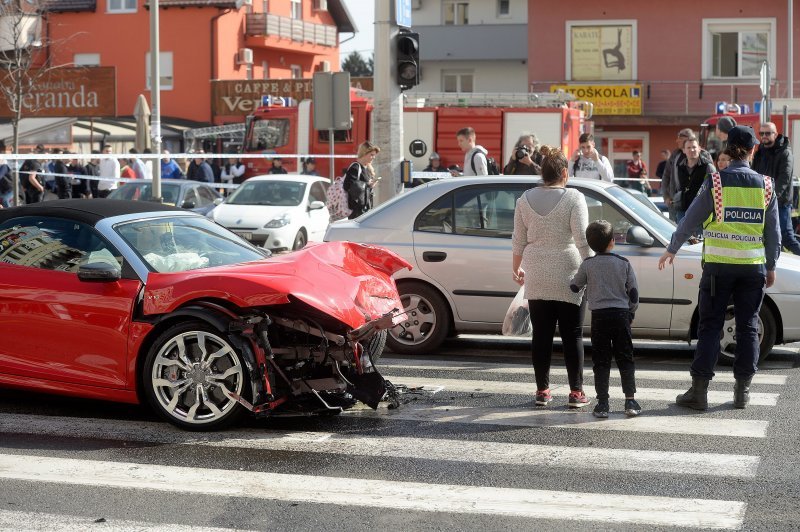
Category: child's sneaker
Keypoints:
(632, 408)
(577, 399)
(543, 397)
(601, 409)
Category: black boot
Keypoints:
(697, 396)
(741, 393)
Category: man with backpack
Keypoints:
(587, 163)
(476, 159)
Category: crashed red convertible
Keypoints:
(133, 301)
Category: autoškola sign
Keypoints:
(242, 97)
(73, 92)
(607, 99)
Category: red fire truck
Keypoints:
(498, 120)
(786, 117)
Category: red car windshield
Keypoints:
(181, 243)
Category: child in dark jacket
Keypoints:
(613, 298)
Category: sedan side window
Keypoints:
(317, 193)
(486, 211)
(190, 198)
(204, 196)
(602, 209)
(53, 244)
(438, 217)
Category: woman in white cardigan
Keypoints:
(548, 245)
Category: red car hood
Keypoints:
(350, 282)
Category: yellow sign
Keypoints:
(607, 99)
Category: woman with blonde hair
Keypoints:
(548, 245)
(359, 180)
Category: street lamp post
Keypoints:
(155, 98)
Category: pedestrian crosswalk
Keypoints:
(481, 421)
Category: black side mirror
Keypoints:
(101, 272)
(638, 235)
(189, 204)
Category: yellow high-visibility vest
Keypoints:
(734, 233)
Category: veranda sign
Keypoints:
(69, 92)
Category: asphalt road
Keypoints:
(474, 455)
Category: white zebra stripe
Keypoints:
(525, 388)
(696, 425)
(349, 492)
(481, 452)
(526, 369)
(29, 521)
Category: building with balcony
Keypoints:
(652, 68)
(202, 42)
(472, 45)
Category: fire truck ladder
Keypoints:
(497, 99)
(233, 131)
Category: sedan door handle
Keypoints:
(434, 256)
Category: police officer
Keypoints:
(739, 213)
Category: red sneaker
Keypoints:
(577, 399)
(543, 397)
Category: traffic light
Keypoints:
(407, 59)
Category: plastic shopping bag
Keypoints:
(518, 321)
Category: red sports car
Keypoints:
(134, 301)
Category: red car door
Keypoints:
(56, 327)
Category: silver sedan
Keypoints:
(457, 234)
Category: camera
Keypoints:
(522, 152)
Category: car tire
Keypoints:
(187, 372)
(299, 241)
(427, 323)
(375, 345)
(767, 334)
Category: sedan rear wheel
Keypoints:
(766, 334)
(427, 321)
(190, 375)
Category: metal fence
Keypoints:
(690, 98)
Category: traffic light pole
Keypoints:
(387, 114)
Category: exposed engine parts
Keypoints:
(299, 367)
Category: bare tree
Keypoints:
(24, 62)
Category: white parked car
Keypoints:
(277, 212)
(457, 235)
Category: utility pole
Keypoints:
(155, 98)
(387, 114)
(790, 50)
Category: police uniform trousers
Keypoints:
(721, 285)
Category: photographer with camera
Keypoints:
(521, 162)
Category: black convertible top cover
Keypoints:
(88, 211)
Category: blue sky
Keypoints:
(363, 12)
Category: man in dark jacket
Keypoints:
(774, 158)
(690, 172)
(63, 181)
(669, 181)
(200, 170)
